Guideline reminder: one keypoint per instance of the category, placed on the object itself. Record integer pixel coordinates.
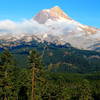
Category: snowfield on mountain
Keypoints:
(51, 25)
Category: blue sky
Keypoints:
(84, 11)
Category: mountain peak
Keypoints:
(58, 11)
(56, 8)
(55, 13)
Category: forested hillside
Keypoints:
(58, 58)
(29, 75)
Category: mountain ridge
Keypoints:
(55, 25)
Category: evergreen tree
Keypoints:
(85, 91)
(35, 63)
(6, 67)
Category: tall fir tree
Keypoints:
(35, 63)
(6, 67)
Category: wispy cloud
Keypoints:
(25, 26)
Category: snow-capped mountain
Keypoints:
(66, 29)
(53, 14)
(53, 25)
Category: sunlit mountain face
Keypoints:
(53, 26)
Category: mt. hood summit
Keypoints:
(52, 25)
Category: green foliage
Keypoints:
(6, 73)
(85, 91)
(35, 59)
(6, 58)
(52, 83)
(62, 59)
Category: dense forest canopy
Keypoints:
(53, 73)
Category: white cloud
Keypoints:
(25, 26)
(32, 27)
